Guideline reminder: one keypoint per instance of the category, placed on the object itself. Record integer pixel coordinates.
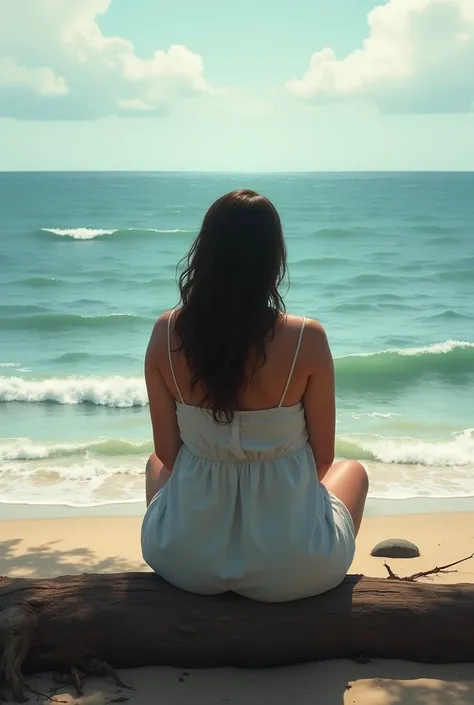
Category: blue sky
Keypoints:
(247, 86)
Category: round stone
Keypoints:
(396, 548)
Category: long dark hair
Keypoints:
(229, 294)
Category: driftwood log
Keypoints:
(137, 619)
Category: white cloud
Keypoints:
(55, 62)
(41, 80)
(418, 57)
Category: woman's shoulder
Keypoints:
(314, 346)
(159, 335)
(160, 327)
(313, 328)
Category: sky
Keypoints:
(253, 85)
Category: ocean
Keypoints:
(88, 261)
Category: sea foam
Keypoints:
(116, 391)
(454, 452)
(27, 449)
(79, 233)
(92, 233)
(393, 369)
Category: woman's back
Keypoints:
(281, 380)
(297, 370)
(257, 431)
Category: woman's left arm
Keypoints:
(166, 437)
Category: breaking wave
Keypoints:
(93, 233)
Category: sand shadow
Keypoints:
(49, 560)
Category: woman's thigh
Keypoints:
(348, 481)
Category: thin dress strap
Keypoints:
(169, 357)
(293, 363)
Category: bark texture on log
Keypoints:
(137, 619)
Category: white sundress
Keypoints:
(244, 510)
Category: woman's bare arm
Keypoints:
(166, 435)
(319, 398)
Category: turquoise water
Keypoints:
(88, 261)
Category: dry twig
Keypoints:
(424, 573)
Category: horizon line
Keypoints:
(236, 171)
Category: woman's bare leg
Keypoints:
(156, 477)
(348, 481)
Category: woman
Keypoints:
(243, 493)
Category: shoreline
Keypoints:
(374, 508)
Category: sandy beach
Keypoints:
(47, 547)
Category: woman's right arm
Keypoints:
(162, 404)
(320, 398)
